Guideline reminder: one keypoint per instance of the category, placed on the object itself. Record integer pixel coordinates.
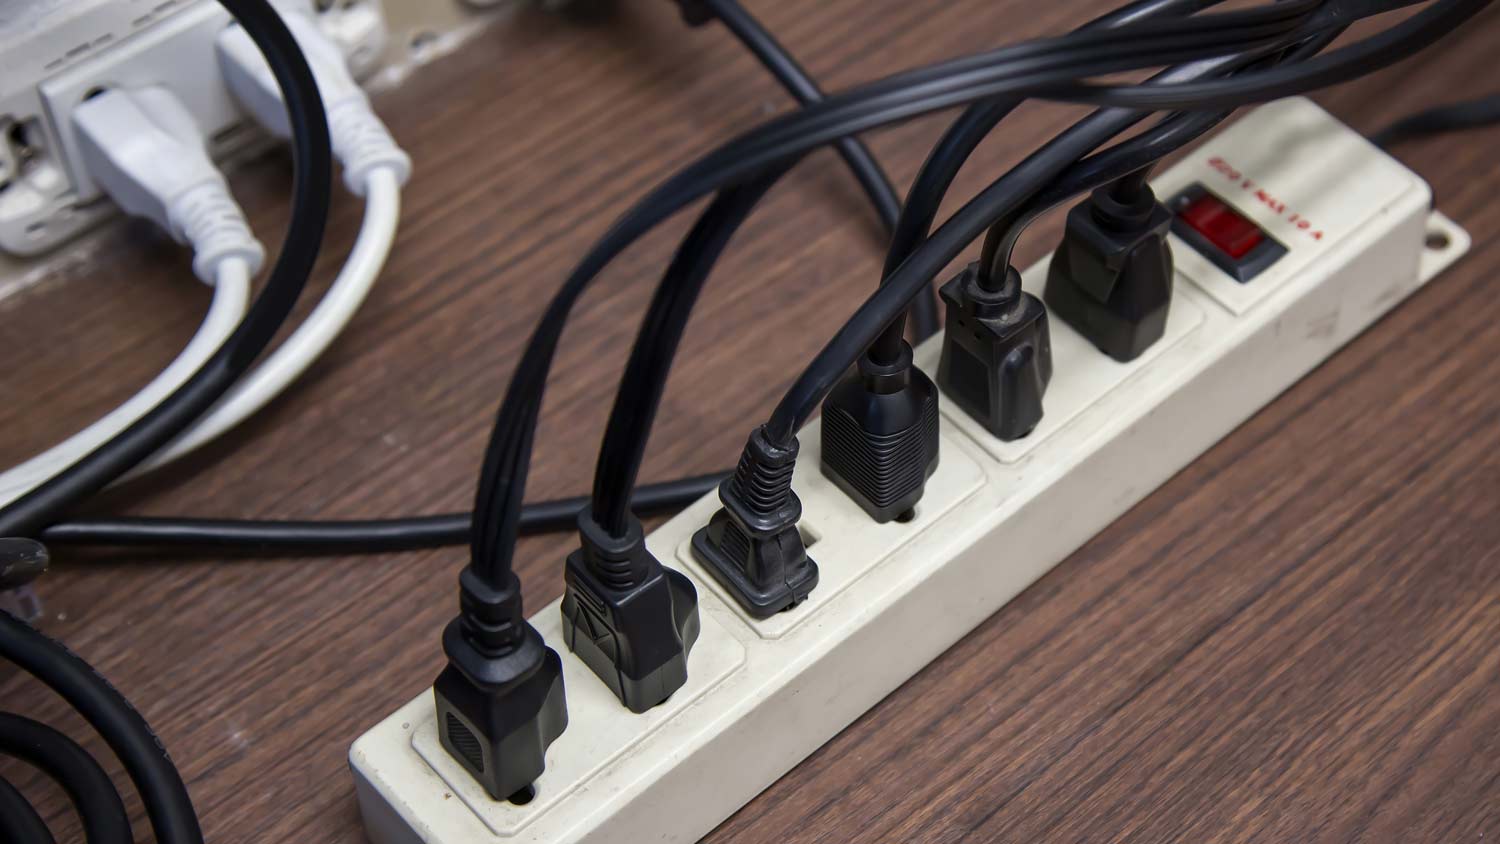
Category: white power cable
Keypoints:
(314, 336)
(145, 150)
(231, 298)
(374, 167)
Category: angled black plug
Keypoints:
(752, 545)
(629, 618)
(500, 701)
(1111, 277)
(997, 352)
(880, 435)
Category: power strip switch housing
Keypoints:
(1352, 235)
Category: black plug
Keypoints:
(21, 561)
(880, 435)
(629, 618)
(1111, 277)
(500, 701)
(997, 352)
(752, 545)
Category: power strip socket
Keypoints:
(762, 695)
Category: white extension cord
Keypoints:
(374, 167)
(230, 299)
(146, 151)
(314, 336)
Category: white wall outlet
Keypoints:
(53, 55)
(762, 695)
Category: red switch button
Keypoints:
(1221, 225)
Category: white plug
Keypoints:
(144, 148)
(359, 139)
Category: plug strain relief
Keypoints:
(491, 618)
(207, 218)
(619, 562)
(763, 478)
(363, 143)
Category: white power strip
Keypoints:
(762, 695)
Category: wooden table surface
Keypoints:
(1297, 638)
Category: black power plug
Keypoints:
(500, 700)
(752, 545)
(1111, 277)
(880, 435)
(997, 352)
(629, 618)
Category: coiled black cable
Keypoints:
(19, 822)
(156, 779)
(94, 797)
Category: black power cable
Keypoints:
(156, 779)
(1378, 51)
(94, 797)
(383, 534)
(502, 482)
(870, 319)
(162, 790)
(364, 536)
(959, 142)
(1453, 117)
(1170, 133)
(19, 822)
(1001, 199)
(313, 170)
(645, 376)
(339, 534)
(394, 534)
(875, 183)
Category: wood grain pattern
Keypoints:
(1297, 638)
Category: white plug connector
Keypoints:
(144, 148)
(359, 139)
(374, 168)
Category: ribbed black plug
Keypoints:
(629, 618)
(997, 353)
(500, 700)
(752, 545)
(880, 435)
(1111, 277)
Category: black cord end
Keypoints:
(500, 701)
(629, 618)
(997, 353)
(1111, 277)
(21, 561)
(752, 545)
(880, 435)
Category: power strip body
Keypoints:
(762, 695)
